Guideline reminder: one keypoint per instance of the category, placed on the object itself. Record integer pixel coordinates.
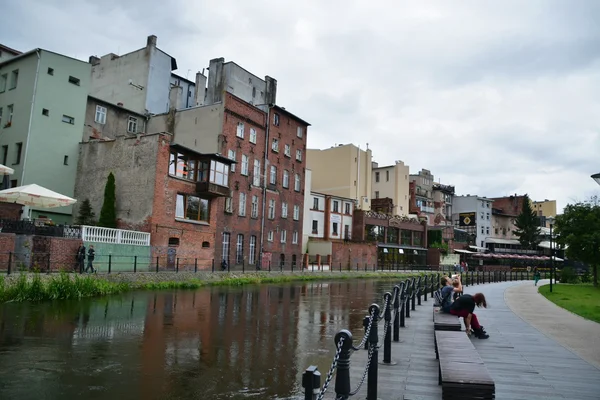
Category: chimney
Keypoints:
(270, 90)
(151, 42)
(94, 60)
(200, 89)
(216, 84)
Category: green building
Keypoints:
(43, 97)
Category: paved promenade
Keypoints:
(525, 363)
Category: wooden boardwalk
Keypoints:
(524, 363)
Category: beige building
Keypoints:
(343, 171)
(546, 208)
(392, 182)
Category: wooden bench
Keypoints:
(444, 321)
(462, 373)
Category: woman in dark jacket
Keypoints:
(464, 307)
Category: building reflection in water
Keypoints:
(214, 343)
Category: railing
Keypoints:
(98, 234)
(404, 299)
(26, 227)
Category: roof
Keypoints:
(30, 52)
(9, 50)
(333, 196)
(283, 110)
(503, 241)
(116, 106)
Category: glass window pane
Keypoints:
(193, 208)
(203, 210)
(172, 161)
(179, 207)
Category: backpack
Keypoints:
(439, 298)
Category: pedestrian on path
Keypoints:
(90, 257)
(536, 276)
(464, 307)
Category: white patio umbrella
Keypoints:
(35, 196)
(6, 170)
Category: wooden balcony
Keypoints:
(208, 189)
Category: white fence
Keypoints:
(97, 234)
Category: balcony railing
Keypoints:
(26, 227)
(98, 234)
(212, 190)
(425, 209)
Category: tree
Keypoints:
(528, 226)
(86, 214)
(108, 214)
(579, 229)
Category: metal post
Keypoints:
(195, 265)
(342, 378)
(243, 266)
(387, 340)
(413, 294)
(157, 264)
(313, 266)
(397, 313)
(373, 366)
(9, 262)
(134, 264)
(109, 262)
(281, 267)
(228, 267)
(366, 326)
(177, 264)
(48, 263)
(409, 290)
(425, 288)
(311, 382)
(419, 289)
(402, 304)
(356, 267)
(213, 265)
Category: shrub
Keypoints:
(568, 275)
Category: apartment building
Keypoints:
(473, 214)
(392, 182)
(6, 53)
(43, 99)
(344, 171)
(442, 204)
(421, 195)
(544, 209)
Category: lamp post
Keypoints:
(550, 220)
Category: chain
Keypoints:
(371, 350)
(364, 339)
(331, 370)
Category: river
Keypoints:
(213, 343)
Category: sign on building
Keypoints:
(467, 219)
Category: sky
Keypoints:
(494, 97)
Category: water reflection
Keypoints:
(214, 343)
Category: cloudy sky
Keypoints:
(495, 97)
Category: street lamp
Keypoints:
(550, 220)
(596, 177)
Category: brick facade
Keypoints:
(351, 254)
(55, 253)
(510, 205)
(10, 210)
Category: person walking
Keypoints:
(464, 307)
(80, 258)
(536, 276)
(91, 255)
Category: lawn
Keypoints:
(583, 300)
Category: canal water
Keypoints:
(214, 343)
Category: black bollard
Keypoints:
(413, 294)
(311, 382)
(433, 278)
(408, 297)
(419, 289)
(402, 304)
(342, 378)
(373, 339)
(366, 326)
(387, 341)
(397, 313)
(425, 288)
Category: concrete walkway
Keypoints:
(577, 334)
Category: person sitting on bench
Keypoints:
(464, 307)
(444, 295)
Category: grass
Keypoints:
(72, 286)
(582, 299)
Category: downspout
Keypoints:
(264, 183)
(37, 72)
(358, 175)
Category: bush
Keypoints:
(568, 275)
(586, 277)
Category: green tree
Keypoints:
(86, 214)
(108, 214)
(579, 229)
(528, 226)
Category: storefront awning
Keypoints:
(503, 241)
(463, 251)
(477, 248)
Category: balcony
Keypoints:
(428, 210)
(209, 189)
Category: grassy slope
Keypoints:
(583, 300)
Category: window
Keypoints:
(100, 115)
(283, 236)
(286, 179)
(45, 112)
(271, 209)
(254, 207)
(219, 172)
(225, 254)
(231, 156)
(74, 81)
(296, 213)
(487, 215)
(270, 236)
(376, 176)
(4, 154)
(13, 183)
(18, 153)
(336, 206)
(256, 173)
(68, 120)
(335, 229)
(273, 175)
(252, 137)
(242, 206)
(244, 170)
(377, 194)
(295, 237)
(252, 253)
(66, 160)
(239, 249)
(347, 208)
(387, 176)
(276, 119)
(315, 203)
(315, 227)
(14, 79)
(346, 232)
(240, 130)
(496, 231)
(9, 111)
(297, 183)
(287, 150)
(3, 81)
(299, 131)
(298, 155)
(284, 210)
(50, 71)
(191, 208)
(275, 145)
(206, 245)
(487, 230)
(487, 205)
(482, 215)
(482, 231)
(132, 124)
(229, 205)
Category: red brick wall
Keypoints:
(7, 245)
(163, 223)
(58, 253)
(511, 205)
(351, 253)
(10, 210)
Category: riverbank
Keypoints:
(43, 287)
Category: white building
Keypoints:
(474, 214)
